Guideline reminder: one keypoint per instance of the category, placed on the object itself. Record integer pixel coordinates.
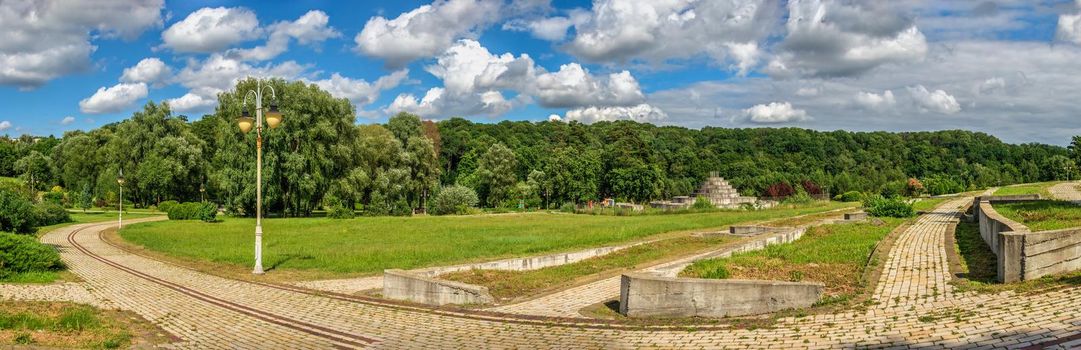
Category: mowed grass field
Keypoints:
(1040, 188)
(368, 245)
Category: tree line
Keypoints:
(321, 158)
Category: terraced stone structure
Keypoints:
(1022, 254)
(716, 189)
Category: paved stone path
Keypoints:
(212, 312)
(1066, 191)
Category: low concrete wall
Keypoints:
(1025, 255)
(856, 216)
(527, 263)
(643, 295)
(403, 285)
(749, 230)
(780, 235)
(1002, 199)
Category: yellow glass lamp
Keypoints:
(273, 116)
(245, 121)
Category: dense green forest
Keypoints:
(321, 158)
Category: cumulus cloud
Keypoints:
(211, 30)
(5, 125)
(774, 113)
(424, 31)
(873, 101)
(149, 70)
(1069, 28)
(67, 120)
(474, 80)
(643, 113)
(554, 118)
(113, 99)
(217, 73)
(938, 101)
(833, 39)
(549, 28)
(360, 91)
(309, 29)
(657, 31)
(45, 39)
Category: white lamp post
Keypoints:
(273, 119)
(120, 181)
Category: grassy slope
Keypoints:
(369, 245)
(1042, 215)
(1039, 188)
(831, 254)
(510, 284)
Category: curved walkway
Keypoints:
(1067, 191)
(213, 312)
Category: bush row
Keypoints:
(18, 215)
(897, 207)
(190, 211)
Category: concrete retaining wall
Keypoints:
(749, 230)
(856, 216)
(404, 285)
(1025, 255)
(643, 295)
(781, 235)
(527, 263)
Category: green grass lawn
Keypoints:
(834, 255)
(928, 204)
(1042, 215)
(368, 245)
(67, 325)
(1039, 188)
(506, 285)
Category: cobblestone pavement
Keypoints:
(1066, 191)
(212, 312)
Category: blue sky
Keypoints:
(1003, 67)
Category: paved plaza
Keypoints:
(915, 307)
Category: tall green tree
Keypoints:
(36, 169)
(496, 174)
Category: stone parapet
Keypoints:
(644, 295)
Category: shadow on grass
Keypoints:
(979, 261)
(284, 258)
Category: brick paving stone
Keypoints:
(1066, 191)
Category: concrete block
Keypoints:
(856, 216)
(403, 285)
(750, 230)
(643, 295)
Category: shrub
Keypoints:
(51, 214)
(811, 188)
(850, 196)
(896, 207)
(702, 203)
(455, 199)
(801, 197)
(915, 187)
(54, 197)
(16, 213)
(193, 211)
(166, 205)
(894, 188)
(940, 184)
(568, 207)
(780, 190)
(20, 253)
(340, 212)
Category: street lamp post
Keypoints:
(245, 122)
(120, 218)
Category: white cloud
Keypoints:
(149, 70)
(360, 91)
(5, 125)
(938, 101)
(554, 118)
(217, 73)
(657, 31)
(426, 30)
(807, 91)
(774, 112)
(309, 29)
(573, 86)
(211, 30)
(643, 113)
(67, 120)
(191, 102)
(1069, 28)
(873, 101)
(991, 85)
(829, 38)
(550, 28)
(113, 99)
(45, 39)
